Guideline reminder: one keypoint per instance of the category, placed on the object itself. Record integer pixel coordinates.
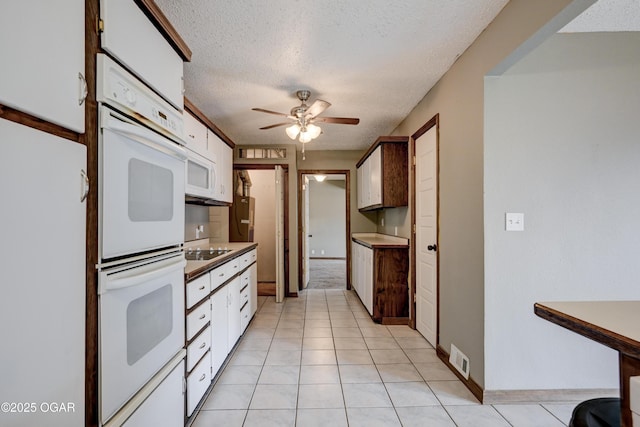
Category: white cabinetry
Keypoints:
(195, 135)
(219, 328)
(42, 310)
(224, 167)
(363, 274)
(383, 174)
(42, 51)
(132, 38)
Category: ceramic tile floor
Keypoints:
(319, 360)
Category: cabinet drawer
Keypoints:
(198, 348)
(197, 319)
(245, 261)
(233, 267)
(198, 382)
(221, 274)
(245, 317)
(195, 135)
(197, 290)
(244, 294)
(253, 255)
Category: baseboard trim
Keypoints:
(492, 397)
(473, 386)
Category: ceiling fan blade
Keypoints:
(262, 110)
(275, 126)
(317, 108)
(337, 120)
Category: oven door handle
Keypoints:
(146, 137)
(130, 278)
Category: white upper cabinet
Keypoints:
(375, 177)
(131, 38)
(224, 167)
(42, 54)
(195, 135)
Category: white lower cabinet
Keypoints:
(219, 328)
(362, 258)
(234, 312)
(198, 382)
(217, 320)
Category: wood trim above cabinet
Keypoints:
(382, 140)
(160, 21)
(195, 111)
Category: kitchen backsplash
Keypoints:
(196, 218)
(214, 222)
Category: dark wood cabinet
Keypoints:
(383, 174)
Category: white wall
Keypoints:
(562, 146)
(327, 218)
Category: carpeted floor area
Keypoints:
(327, 274)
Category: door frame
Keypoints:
(347, 194)
(285, 173)
(434, 121)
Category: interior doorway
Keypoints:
(323, 209)
(265, 186)
(424, 216)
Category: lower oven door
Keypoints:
(141, 326)
(142, 188)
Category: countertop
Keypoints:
(376, 240)
(197, 268)
(613, 323)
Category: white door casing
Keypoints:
(305, 233)
(426, 235)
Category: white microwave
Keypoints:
(200, 176)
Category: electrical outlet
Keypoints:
(395, 230)
(322, 252)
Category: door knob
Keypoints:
(432, 247)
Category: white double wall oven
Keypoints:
(141, 238)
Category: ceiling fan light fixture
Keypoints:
(313, 131)
(292, 131)
(305, 137)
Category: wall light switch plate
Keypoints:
(514, 221)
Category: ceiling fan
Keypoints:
(304, 118)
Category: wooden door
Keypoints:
(426, 235)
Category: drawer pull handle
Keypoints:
(201, 288)
(221, 275)
(203, 377)
(202, 316)
(191, 136)
(203, 345)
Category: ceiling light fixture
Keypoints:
(320, 178)
(304, 132)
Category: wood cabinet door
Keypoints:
(42, 51)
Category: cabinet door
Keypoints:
(360, 182)
(130, 37)
(253, 284)
(234, 312)
(354, 266)
(222, 155)
(195, 135)
(42, 310)
(219, 329)
(226, 172)
(42, 51)
(367, 256)
(375, 177)
(366, 183)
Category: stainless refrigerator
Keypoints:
(241, 219)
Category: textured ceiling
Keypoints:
(372, 59)
(607, 15)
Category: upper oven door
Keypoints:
(142, 188)
(141, 322)
(200, 178)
